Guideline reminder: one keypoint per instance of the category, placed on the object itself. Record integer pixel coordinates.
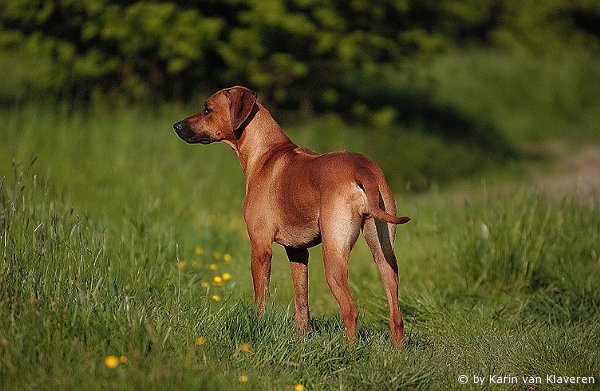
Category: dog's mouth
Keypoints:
(186, 134)
(205, 140)
(194, 139)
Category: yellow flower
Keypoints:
(111, 362)
(218, 280)
(180, 265)
(227, 257)
(226, 276)
(246, 347)
(243, 379)
(123, 359)
(204, 284)
(212, 266)
(298, 387)
(215, 297)
(198, 250)
(216, 255)
(200, 341)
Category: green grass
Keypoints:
(98, 208)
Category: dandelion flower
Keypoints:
(198, 250)
(123, 359)
(111, 362)
(226, 276)
(227, 257)
(204, 284)
(215, 298)
(243, 379)
(216, 255)
(180, 265)
(246, 347)
(200, 341)
(218, 280)
(212, 266)
(298, 387)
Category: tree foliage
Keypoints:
(300, 54)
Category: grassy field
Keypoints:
(112, 231)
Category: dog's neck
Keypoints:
(261, 137)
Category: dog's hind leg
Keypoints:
(379, 236)
(339, 229)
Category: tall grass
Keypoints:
(112, 231)
(529, 244)
(73, 291)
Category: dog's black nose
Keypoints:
(179, 126)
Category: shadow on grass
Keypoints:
(416, 108)
(365, 334)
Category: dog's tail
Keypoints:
(366, 180)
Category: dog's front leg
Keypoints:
(260, 264)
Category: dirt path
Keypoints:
(567, 171)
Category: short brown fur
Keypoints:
(300, 198)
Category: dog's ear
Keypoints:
(241, 103)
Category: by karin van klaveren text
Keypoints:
(525, 379)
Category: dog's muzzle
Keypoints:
(183, 130)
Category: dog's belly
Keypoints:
(296, 208)
(298, 236)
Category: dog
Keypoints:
(299, 198)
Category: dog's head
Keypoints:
(222, 118)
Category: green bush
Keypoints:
(296, 52)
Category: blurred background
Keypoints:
(475, 83)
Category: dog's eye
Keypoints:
(206, 110)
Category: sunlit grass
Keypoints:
(87, 291)
(124, 263)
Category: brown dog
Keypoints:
(299, 198)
